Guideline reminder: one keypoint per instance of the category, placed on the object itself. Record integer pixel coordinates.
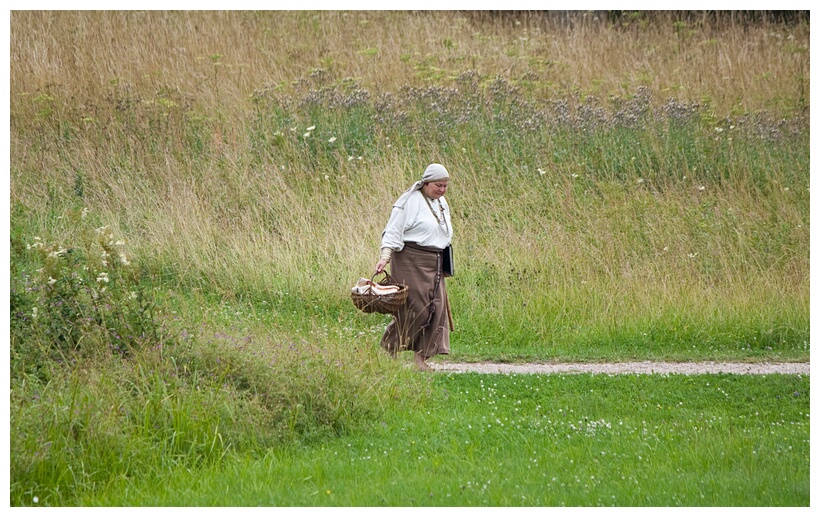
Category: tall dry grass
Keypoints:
(218, 59)
(188, 132)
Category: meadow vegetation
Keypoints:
(193, 194)
(530, 440)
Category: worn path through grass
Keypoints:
(688, 368)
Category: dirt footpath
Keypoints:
(621, 368)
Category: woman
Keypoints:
(416, 234)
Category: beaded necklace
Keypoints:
(443, 220)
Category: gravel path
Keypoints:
(632, 367)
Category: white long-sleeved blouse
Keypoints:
(416, 223)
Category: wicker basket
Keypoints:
(381, 303)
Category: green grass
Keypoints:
(527, 440)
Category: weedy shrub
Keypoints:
(80, 297)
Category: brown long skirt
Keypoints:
(419, 270)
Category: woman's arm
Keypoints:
(392, 237)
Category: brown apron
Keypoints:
(422, 325)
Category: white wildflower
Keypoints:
(34, 313)
(541, 171)
(332, 139)
(701, 188)
(306, 135)
(311, 128)
(102, 277)
(84, 213)
(124, 260)
(52, 280)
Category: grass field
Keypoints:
(521, 440)
(192, 194)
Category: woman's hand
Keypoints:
(380, 266)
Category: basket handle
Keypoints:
(386, 277)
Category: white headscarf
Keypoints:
(433, 172)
